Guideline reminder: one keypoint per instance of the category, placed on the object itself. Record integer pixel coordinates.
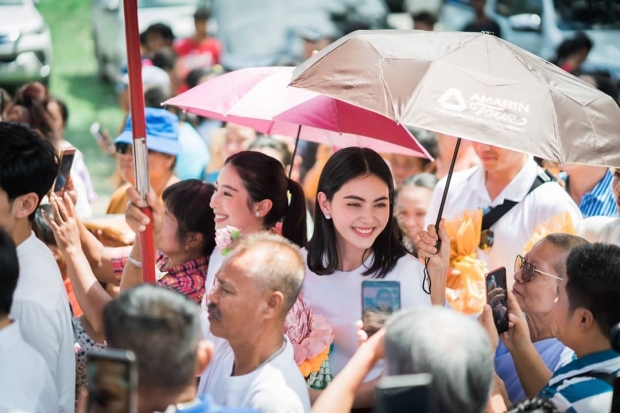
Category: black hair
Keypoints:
(154, 97)
(150, 321)
(343, 166)
(425, 17)
(9, 267)
(161, 29)
(194, 76)
(189, 201)
(165, 59)
(264, 178)
(30, 107)
(593, 282)
(572, 45)
(269, 142)
(202, 13)
(28, 163)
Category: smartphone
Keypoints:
(380, 298)
(112, 378)
(97, 131)
(64, 170)
(497, 298)
(405, 394)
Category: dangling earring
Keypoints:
(327, 216)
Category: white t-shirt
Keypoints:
(26, 384)
(215, 262)
(278, 387)
(513, 231)
(600, 229)
(41, 307)
(338, 297)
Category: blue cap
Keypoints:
(162, 131)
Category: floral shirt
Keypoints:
(187, 278)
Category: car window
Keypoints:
(513, 7)
(588, 14)
(164, 3)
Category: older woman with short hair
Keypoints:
(537, 276)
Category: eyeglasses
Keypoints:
(125, 148)
(527, 270)
(122, 148)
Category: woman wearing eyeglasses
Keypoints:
(530, 335)
(162, 140)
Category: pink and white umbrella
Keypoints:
(259, 98)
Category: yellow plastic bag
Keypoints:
(561, 223)
(465, 289)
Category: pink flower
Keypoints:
(310, 334)
(224, 238)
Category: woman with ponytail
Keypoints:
(252, 194)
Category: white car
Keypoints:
(108, 25)
(25, 44)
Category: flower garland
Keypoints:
(311, 336)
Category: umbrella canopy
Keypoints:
(259, 98)
(472, 85)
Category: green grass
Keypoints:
(74, 80)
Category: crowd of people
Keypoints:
(261, 255)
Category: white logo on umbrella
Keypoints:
(453, 100)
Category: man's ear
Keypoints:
(24, 205)
(586, 319)
(274, 304)
(204, 356)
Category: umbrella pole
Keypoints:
(140, 151)
(290, 169)
(427, 279)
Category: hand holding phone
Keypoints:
(380, 298)
(112, 381)
(497, 298)
(64, 171)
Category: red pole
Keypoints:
(140, 151)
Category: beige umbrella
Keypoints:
(471, 85)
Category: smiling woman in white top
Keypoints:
(253, 194)
(355, 238)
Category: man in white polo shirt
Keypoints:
(504, 176)
(253, 364)
(40, 303)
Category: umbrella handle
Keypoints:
(427, 279)
(290, 169)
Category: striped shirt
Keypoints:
(600, 200)
(583, 394)
(187, 278)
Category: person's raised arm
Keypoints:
(438, 261)
(531, 369)
(137, 221)
(99, 257)
(88, 291)
(346, 391)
